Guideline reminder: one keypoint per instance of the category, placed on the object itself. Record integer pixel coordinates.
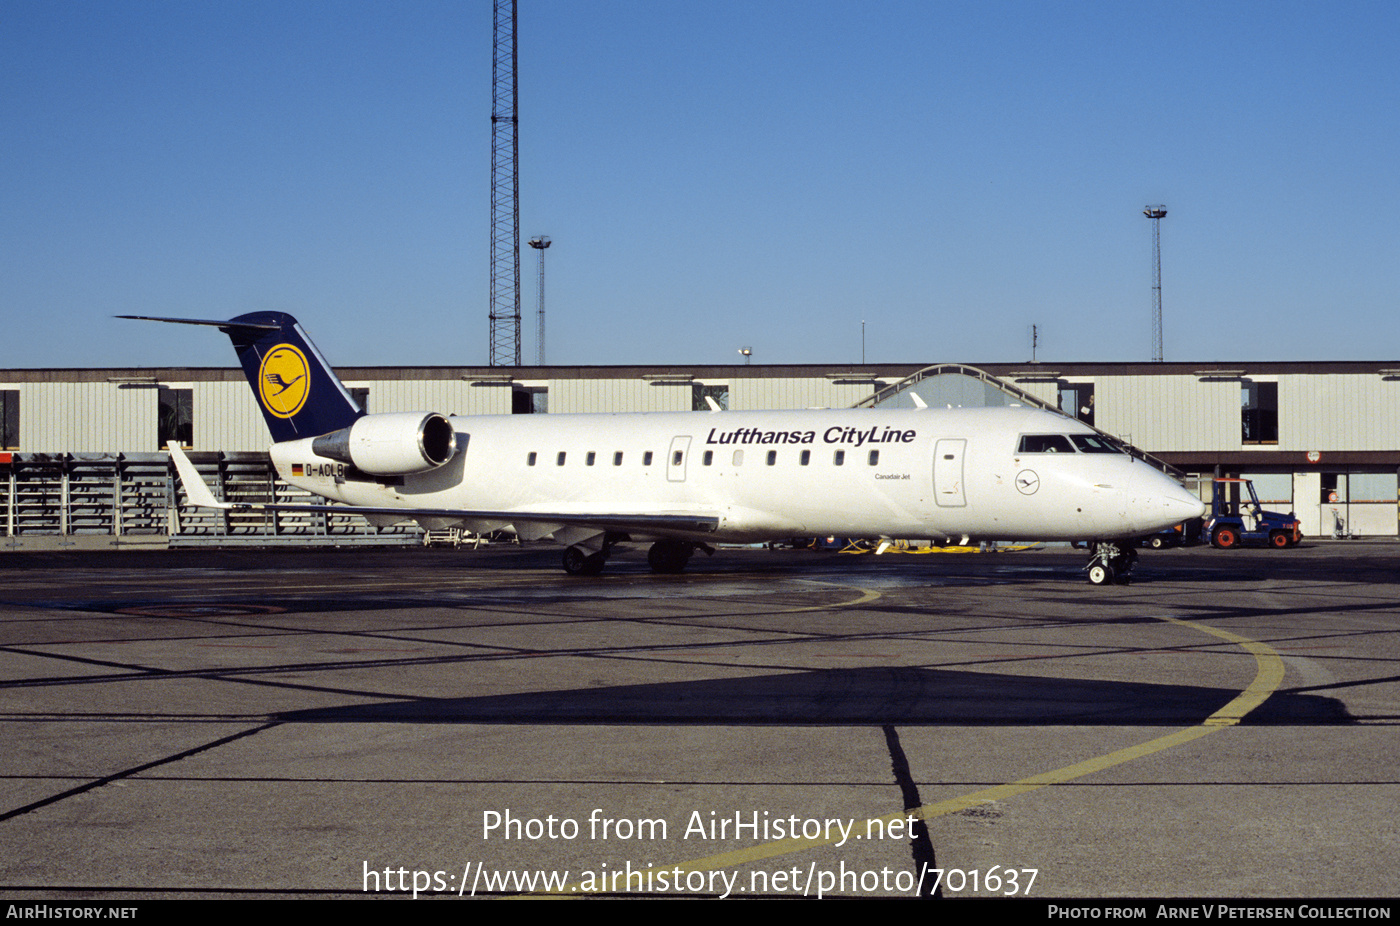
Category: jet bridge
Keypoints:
(959, 385)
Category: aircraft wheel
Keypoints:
(1280, 540)
(669, 556)
(1224, 538)
(1157, 543)
(1100, 574)
(578, 562)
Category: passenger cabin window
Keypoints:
(772, 457)
(806, 457)
(839, 458)
(738, 458)
(617, 458)
(874, 458)
(709, 457)
(590, 458)
(560, 461)
(677, 457)
(646, 458)
(530, 460)
(1045, 443)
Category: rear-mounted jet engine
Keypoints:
(395, 444)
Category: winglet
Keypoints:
(196, 490)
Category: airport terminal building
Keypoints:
(81, 450)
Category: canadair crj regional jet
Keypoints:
(682, 481)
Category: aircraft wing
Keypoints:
(200, 496)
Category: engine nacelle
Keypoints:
(393, 444)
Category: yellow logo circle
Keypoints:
(283, 381)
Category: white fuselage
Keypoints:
(899, 473)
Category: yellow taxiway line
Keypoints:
(1268, 676)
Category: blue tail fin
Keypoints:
(295, 388)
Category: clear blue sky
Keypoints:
(713, 174)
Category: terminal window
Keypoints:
(530, 400)
(176, 417)
(698, 392)
(1077, 399)
(1258, 412)
(9, 419)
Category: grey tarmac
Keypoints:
(302, 723)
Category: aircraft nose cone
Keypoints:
(1161, 501)
(1182, 505)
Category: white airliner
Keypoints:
(682, 481)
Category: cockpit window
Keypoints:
(1092, 443)
(1045, 443)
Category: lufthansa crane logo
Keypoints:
(1027, 482)
(283, 381)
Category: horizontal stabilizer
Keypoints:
(225, 326)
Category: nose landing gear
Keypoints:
(1110, 561)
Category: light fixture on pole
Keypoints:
(1155, 213)
(539, 243)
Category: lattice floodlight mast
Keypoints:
(1155, 213)
(540, 243)
(505, 193)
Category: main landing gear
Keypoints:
(670, 556)
(665, 556)
(579, 562)
(1111, 560)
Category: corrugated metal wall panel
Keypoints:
(572, 396)
(82, 417)
(227, 417)
(445, 396)
(1338, 412)
(488, 400)
(1047, 392)
(1169, 413)
(760, 394)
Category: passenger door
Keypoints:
(676, 460)
(948, 473)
